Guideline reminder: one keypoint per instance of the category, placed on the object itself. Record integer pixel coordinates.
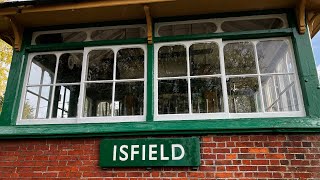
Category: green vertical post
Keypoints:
(150, 83)
(15, 83)
(307, 72)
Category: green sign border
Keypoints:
(191, 148)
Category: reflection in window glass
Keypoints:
(37, 102)
(173, 96)
(42, 69)
(61, 37)
(204, 59)
(239, 58)
(130, 63)
(172, 61)
(65, 102)
(129, 99)
(100, 66)
(187, 29)
(69, 69)
(274, 57)
(243, 95)
(119, 33)
(206, 95)
(279, 93)
(252, 24)
(99, 99)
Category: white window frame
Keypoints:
(88, 31)
(226, 114)
(218, 21)
(80, 118)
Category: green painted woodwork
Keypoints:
(81, 45)
(185, 127)
(307, 73)
(149, 152)
(229, 35)
(15, 84)
(305, 64)
(150, 83)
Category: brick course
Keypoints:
(222, 157)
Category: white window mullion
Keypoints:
(259, 76)
(114, 81)
(223, 78)
(81, 101)
(188, 79)
(54, 85)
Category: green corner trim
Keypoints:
(187, 127)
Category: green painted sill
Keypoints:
(286, 125)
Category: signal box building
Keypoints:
(160, 89)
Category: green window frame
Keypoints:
(305, 64)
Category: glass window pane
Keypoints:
(172, 61)
(30, 106)
(274, 57)
(37, 102)
(65, 104)
(130, 63)
(98, 99)
(187, 29)
(243, 95)
(239, 58)
(279, 93)
(100, 66)
(206, 95)
(70, 67)
(129, 98)
(61, 37)
(252, 24)
(119, 33)
(204, 59)
(42, 69)
(173, 96)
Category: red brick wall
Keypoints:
(223, 157)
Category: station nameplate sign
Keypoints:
(150, 152)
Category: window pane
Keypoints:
(274, 57)
(37, 102)
(239, 58)
(187, 29)
(119, 33)
(99, 99)
(70, 67)
(100, 66)
(252, 24)
(243, 95)
(172, 61)
(30, 106)
(206, 95)
(65, 103)
(279, 93)
(42, 69)
(204, 59)
(173, 96)
(61, 37)
(129, 98)
(130, 63)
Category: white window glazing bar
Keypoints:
(187, 45)
(259, 76)
(223, 78)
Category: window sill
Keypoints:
(292, 125)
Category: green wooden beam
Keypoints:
(229, 35)
(190, 127)
(150, 83)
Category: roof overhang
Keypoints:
(17, 15)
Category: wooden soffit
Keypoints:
(114, 10)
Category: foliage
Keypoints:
(5, 60)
